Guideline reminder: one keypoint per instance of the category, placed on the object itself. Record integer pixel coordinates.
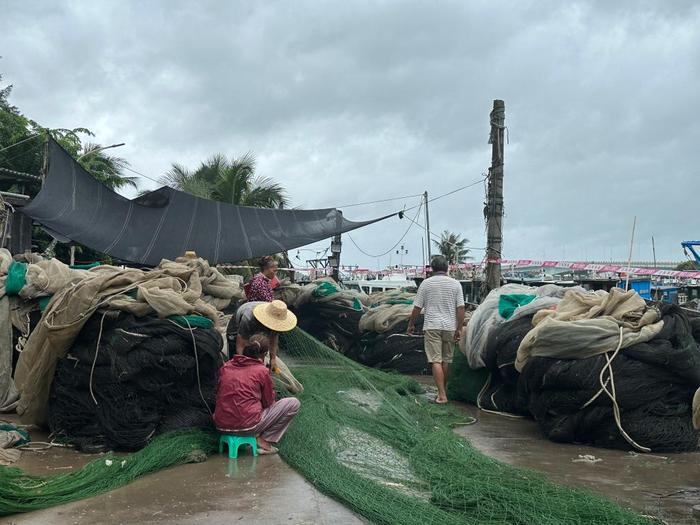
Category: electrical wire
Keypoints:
(438, 237)
(420, 206)
(380, 201)
(451, 192)
(143, 175)
(19, 142)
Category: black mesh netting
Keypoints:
(338, 328)
(146, 379)
(335, 326)
(394, 350)
(654, 385)
(501, 392)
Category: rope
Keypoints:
(94, 361)
(487, 383)
(196, 361)
(19, 142)
(612, 394)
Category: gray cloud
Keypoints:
(351, 101)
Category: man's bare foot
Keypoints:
(441, 400)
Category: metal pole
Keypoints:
(101, 149)
(653, 249)
(494, 203)
(629, 259)
(427, 226)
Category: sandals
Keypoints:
(267, 452)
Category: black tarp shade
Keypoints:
(166, 222)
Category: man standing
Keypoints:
(441, 298)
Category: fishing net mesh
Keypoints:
(371, 441)
(20, 492)
(366, 438)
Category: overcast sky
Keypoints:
(347, 102)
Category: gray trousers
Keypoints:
(274, 421)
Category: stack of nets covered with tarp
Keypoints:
(328, 311)
(127, 379)
(484, 371)
(385, 343)
(186, 291)
(590, 367)
(637, 394)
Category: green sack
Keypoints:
(16, 278)
(192, 321)
(465, 383)
(508, 303)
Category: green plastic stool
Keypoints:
(234, 442)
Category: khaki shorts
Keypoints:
(439, 345)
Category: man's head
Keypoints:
(275, 316)
(258, 346)
(439, 264)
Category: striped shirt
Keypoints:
(439, 296)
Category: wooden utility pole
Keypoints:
(493, 211)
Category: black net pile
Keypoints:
(334, 325)
(394, 350)
(147, 377)
(654, 385)
(501, 391)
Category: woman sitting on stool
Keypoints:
(245, 398)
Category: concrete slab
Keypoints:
(262, 490)
(666, 486)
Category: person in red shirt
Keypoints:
(245, 398)
(261, 287)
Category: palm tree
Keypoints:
(105, 168)
(453, 247)
(231, 181)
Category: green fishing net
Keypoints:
(20, 492)
(367, 439)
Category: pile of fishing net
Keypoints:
(385, 343)
(328, 311)
(640, 396)
(500, 391)
(590, 367)
(127, 379)
(174, 288)
(484, 373)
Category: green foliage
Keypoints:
(106, 168)
(28, 156)
(688, 266)
(231, 181)
(453, 247)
